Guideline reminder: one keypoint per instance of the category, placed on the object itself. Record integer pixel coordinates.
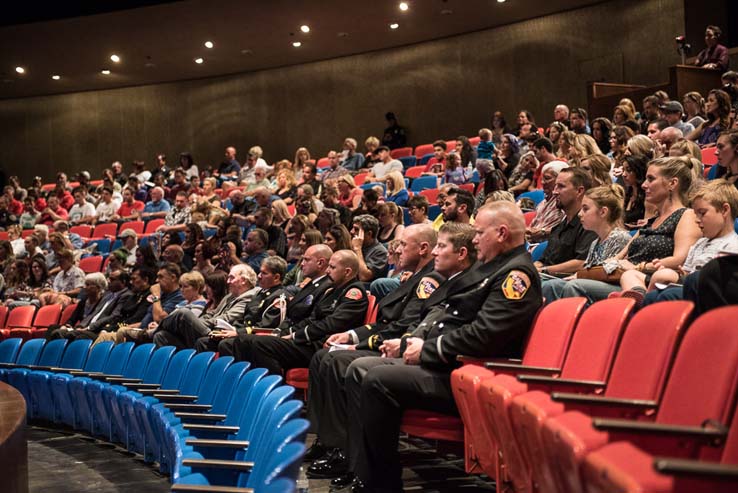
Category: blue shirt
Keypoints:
(162, 206)
(485, 149)
(254, 261)
(169, 302)
(399, 198)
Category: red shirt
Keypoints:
(15, 207)
(60, 211)
(66, 200)
(126, 210)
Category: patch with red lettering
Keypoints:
(354, 294)
(515, 285)
(426, 287)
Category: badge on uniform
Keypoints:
(426, 287)
(515, 285)
(354, 294)
(309, 300)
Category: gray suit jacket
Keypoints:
(231, 309)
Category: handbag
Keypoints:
(598, 273)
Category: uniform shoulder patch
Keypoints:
(426, 287)
(515, 285)
(354, 294)
(305, 282)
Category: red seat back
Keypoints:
(21, 317)
(136, 226)
(529, 216)
(414, 172)
(401, 152)
(323, 163)
(474, 141)
(3, 315)
(67, 313)
(552, 332)
(703, 380)
(152, 225)
(708, 156)
(450, 145)
(370, 309)
(647, 350)
(91, 264)
(84, 230)
(47, 315)
(104, 230)
(360, 179)
(431, 194)
(422, 150)
(596, 339)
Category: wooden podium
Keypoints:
(602, 97)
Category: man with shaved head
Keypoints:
(338, 310)
(487, 312)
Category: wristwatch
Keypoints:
(154, 298)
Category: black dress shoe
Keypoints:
(335, 464)
(316, 451)
(342, 481)
(358, 486)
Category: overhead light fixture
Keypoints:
(199, 61)
(115, 58)
(394, 25)
(500, 1)
(105, 72)
(296, 44)
(305, 28)
(404, 6)
(209, 44)
(56, 77)
(20, 70)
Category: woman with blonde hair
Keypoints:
(622, 114)
(694, 108)
(598, 166)
(554, 135)
(281, 214)
(349, 195)
(685, 147)
(521, 179)
(640, 145)
(390, 222)
(302, 156)
(601, 212)
(286, 186)
(396, 191)
(208, 192)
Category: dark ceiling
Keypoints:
(159, 41)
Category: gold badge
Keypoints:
(426, 287)
(515, 285)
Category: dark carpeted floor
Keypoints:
(65, 462)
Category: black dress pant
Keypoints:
(273, 353)
(225, 347)
(181, 329)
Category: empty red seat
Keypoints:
(431, 194)
(700, 391)
(84, 230)
(708, 156)
(67, 313)
(414, 171)
(450, 145)
(46, 316)
(105, 230)
(422, 150)
(401, 152)
(639, 372)
(360, 179)
(546, 347)
(21, 317)
(91, 264)
(590, 357)
(323, 163)
(136, 226)
(152, 225)
(474, 141)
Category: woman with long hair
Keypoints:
(554, 135)
(507, 154)
(349, 195)
(390, 222)
(187, 163)
(634, 174)
(727, 153)
(338, 238)
(618, 145)
(499, 127)
(521, 178)
(602, 213)
(286, 186)
(202, 258)
(466, 151)
(396, 191)
(601, 128)
(216, 288)
(718, 119)
(598, 167)
(694, 108)
(281, 214)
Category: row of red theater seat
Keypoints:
(27, 322)
(103, 230)
(541, 424)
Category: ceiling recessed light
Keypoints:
(199, 61)
(404, 6)
(209, 44)
(500, 1)
(20, 70)
(305, 28)
(56, 77)
(115, 58)
(105, 72)
(296, 44)
(394, 25)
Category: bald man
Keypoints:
(488, 312)
(337, 311)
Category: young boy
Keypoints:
(486, 148)
(716, 207)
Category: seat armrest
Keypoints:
(209, 442)
(157, 390)
(682, 467)
(57, 369)
(516, 369)
(167, 398)
(473, 360)
(711, 435)
(101, 376)
(140, 385)
(184, 406)
(216, 428)
(585, 385)
(206, 417)
(123, 380)
(599, 400)
(220, 464)
(194, 488)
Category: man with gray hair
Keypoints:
(157, 207)
(88, 311)
(183, 327)
(350, 159)
(372, 255)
